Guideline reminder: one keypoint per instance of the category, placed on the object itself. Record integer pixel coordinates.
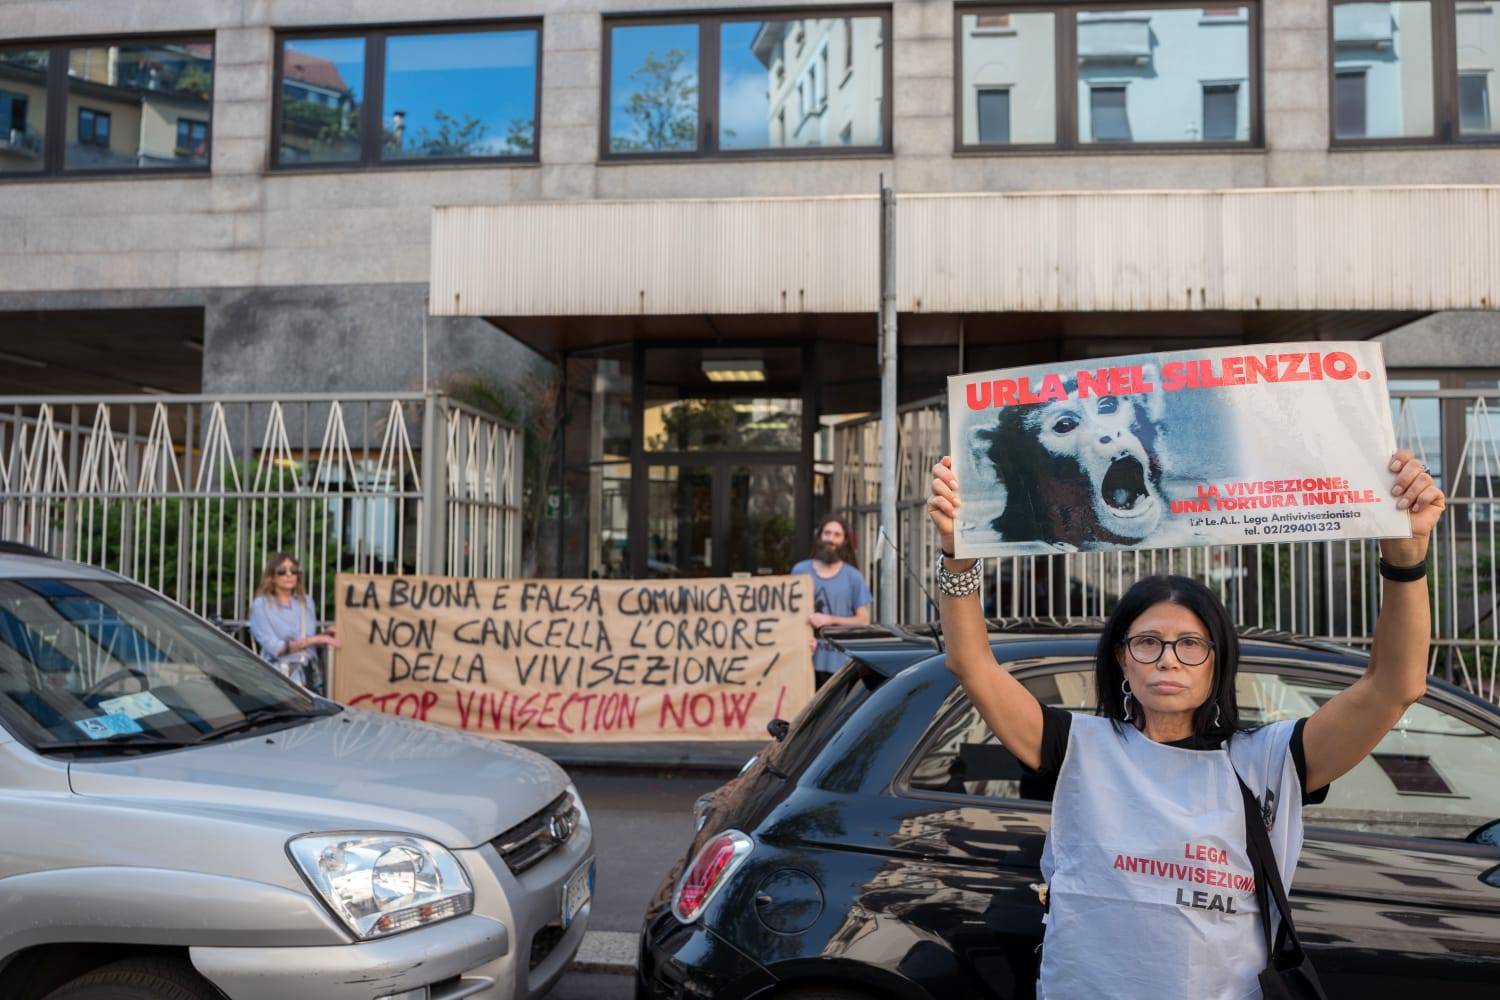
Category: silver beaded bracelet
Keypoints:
(960, 584)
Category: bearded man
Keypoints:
(840, 594)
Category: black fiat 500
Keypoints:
(888, 847)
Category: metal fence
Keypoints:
(190, 495)
(1326, 590)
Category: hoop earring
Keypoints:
(1125, 686)
(1218, 721)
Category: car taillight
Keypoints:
(710, 869)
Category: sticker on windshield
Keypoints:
(137, 706)
(102, 727)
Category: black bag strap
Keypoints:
(1268, 879)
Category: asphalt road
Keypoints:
(642, 826)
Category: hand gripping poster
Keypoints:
(1264, 443)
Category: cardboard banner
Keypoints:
(585, 660)
(1270, 443)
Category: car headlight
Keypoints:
(383, 883)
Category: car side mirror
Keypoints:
(778, 728)
(1488, 835)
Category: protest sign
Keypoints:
(586, 660)
(1272, 443)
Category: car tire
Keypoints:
(152, 978)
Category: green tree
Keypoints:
(520, 136)
(194, 80)
(451, 138)
(532, 405)
(664, 106)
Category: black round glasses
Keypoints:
(1190, 650)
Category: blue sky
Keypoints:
(744, 107)
(488, 75)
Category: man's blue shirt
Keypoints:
(841, 594)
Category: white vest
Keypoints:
(1149, 882)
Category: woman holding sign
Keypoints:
(1173, 829)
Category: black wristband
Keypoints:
(1403, 574)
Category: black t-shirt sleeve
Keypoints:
(1056, 723)
(1299, 760)
(1042, 782)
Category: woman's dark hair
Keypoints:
(1190, 594)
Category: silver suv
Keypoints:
(178, 822)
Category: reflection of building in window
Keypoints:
(125, 102)
(1009, 74)
(1109, 119)
(993, 105)
(1474, 102)
(1166, 75)
(1349, 103)
(1412, 775)
(317, 106)
(192, 136)
(93, 127)
(1383, 70)
(1221, 109)
(805, 105)
(1478, 49)
(23, 109)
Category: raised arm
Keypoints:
(1341, 733)
(1011, 711)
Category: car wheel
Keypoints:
(151, 978)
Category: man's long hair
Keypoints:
(846, 551)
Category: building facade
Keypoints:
(673, 208)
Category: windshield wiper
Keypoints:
(122, 741)
(265, 716)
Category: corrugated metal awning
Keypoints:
(1407, 248)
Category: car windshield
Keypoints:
(112, 666)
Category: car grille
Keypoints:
(531, 840)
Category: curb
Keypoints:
(607, 952)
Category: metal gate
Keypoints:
(190, 495)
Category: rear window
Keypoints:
(823, 715)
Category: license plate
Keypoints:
(576, 893)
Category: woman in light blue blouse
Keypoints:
(285, 623)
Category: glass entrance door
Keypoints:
(722, 516)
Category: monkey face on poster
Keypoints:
(1079, 473)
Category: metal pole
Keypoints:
(890, 552)
(432, 559)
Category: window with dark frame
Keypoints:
(1109, 116)
(1413, 71)
(1118, 73)
(1349, 104)
(1474, 102)
(1221, 111)
(746, 84)
(994, 114)
(84, 85)
(385, 96)
(192, 135)
(93, 127)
